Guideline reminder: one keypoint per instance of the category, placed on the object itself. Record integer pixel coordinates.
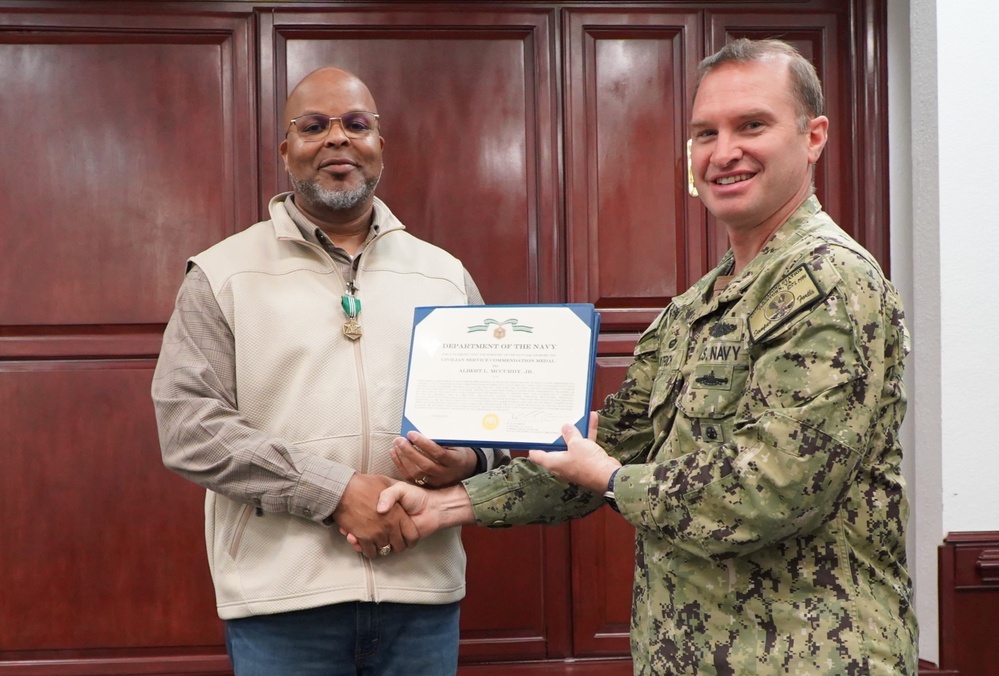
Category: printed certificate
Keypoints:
(501, 376)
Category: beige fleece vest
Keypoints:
(300, 379)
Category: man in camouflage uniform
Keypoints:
(754, 442)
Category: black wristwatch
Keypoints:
(609, 493)
(481, 464)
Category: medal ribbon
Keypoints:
(351, 305)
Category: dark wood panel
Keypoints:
(131, 153)
(219, 666)
(496, 622)
(603, 570)
(102, 546)
(91, 665)
(969, 602)
(616, 667)
(635, 238)
(603, 543)
(55, 342)
(467, 108)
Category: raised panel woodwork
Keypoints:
(929, 669)
(111, 181)
(516, 579)
(969, 602)
(467, 108)
(132, 151)
(635, 237)
(603, 543)
(606, 667)
(103, 548)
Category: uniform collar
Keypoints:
(796, 226)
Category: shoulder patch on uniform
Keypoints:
(795, 292)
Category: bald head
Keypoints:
(323, 83)
(334, 171)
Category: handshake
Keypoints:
(380, 516)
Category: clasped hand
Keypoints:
(391, 529)
(372, 531)
(583, 463)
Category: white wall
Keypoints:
(968, 104)
(907, 165)
(943, 137)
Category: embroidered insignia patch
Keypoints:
(722, 329)
(795, 292)
(713, 376)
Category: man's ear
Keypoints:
(818, 134)
(283, 149)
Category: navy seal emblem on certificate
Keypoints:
(501, 376)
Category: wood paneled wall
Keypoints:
(969, 603)
(542, 142)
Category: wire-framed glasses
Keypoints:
(316, 127)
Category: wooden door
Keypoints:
(634, 239)
(128, 147)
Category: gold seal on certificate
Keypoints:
(502, 376)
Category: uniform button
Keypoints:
(499, 522)
(307, 512)
(672, 343)
(711, 433)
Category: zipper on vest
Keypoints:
(365, 453)
(362, 392)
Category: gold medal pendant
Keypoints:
(352, 329)
(351, 307)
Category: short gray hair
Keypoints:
(805, 85)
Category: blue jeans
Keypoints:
(347, 639)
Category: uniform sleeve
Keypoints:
(812, 400)
(527, 493)
(204, 438)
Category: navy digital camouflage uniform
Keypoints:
(759, 433)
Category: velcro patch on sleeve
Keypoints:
(795, 292)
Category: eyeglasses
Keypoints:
(317, 127)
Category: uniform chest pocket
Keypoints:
(713, 390)
(664, 388)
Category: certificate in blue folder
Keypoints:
(501, 376)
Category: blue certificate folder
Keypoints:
(501, 376)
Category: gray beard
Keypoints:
(336, 200)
